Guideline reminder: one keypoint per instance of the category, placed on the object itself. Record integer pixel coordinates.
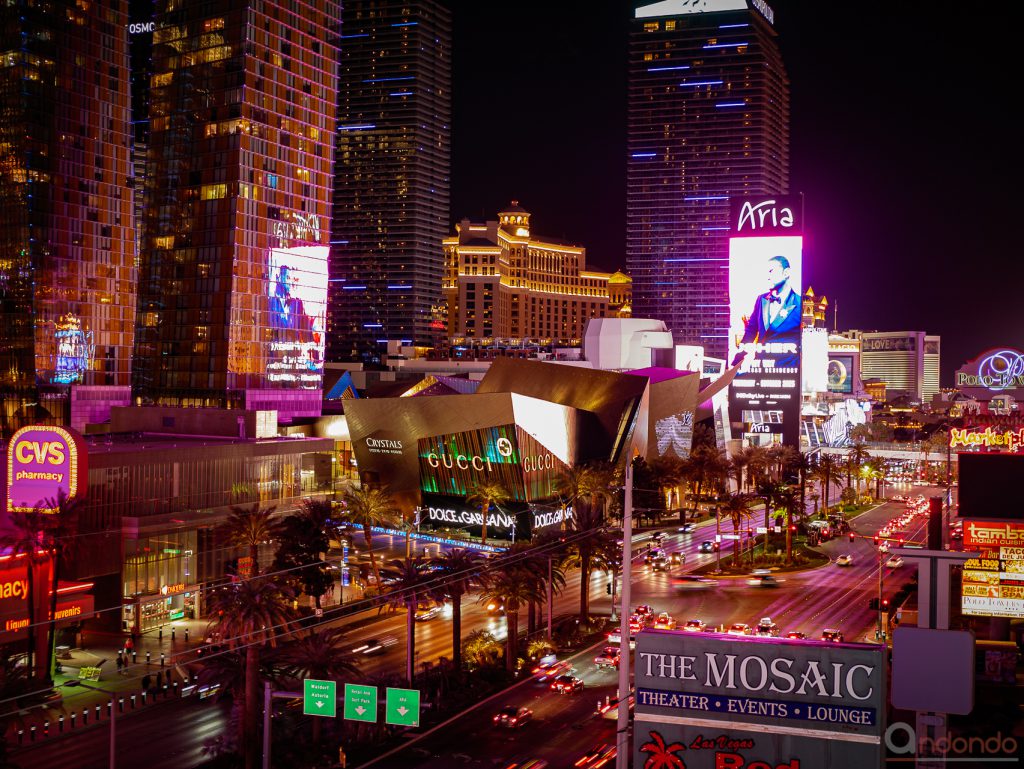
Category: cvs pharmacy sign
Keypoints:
(42, 462)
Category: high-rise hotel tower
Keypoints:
(391, 200)
(67, 244)
(708, 119)
(233, 279)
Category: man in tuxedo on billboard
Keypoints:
(776, 315)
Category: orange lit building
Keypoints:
(502, 284)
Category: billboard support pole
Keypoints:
(622, 723)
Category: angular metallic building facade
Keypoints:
(392, 187)
(233, 279)
(67, 244)
(708, 119)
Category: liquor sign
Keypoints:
(42, 462)
(993, 583)
(708, 701)
(765, 316)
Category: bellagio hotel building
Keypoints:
(504, 286)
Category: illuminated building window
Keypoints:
(651, 26)
(213, 191)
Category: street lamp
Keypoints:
(113, 713)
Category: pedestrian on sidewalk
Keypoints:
(120, 664)
(159, 679)
(129, 646)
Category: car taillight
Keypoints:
(514, 720)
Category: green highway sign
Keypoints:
(319, 698)
(403, 707)
(360, 703)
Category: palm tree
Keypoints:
(826, 472)
(23, 539)
(457, 573)
(302, 544)
(368, 506)
(485, 494)
(856, 457)
(769, 491)
(737, 464)
(737, 509)
(59, 532)
(708, 465)
(593, 549)
(534, 560)
(319, 654)
(788, 497)
(411, 583)
(757, 464)
(511, 587)
(250, 616)
(250, 528)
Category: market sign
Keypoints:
(989, 438)
(42, 462)
(707, 701)
(993, 583)
(996, 372)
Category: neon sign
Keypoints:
(1006, 440)
(75, 350)
(41, 463)
(764, 215)
(1002, 370)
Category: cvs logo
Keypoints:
(41, 452)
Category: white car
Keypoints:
(739, 628)
(894, 562)
(844, 560)
(694, 626)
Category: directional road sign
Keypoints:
(403, 707)
(319, 698)
(360, 703)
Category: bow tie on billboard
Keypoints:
(773, 298)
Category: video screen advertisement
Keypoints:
(296, 313)
(840, 373)
(765, 310)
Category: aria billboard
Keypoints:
(44, 462)
(765, 312)
(710, 701)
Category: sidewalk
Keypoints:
(78, 706)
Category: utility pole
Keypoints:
(622, 757)
(550, 598)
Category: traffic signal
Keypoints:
(873, 604)
(878, 540)
(608, 588)
(885, 604)
(901, 541)
(852, 536)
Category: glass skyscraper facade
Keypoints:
(67, 243)
(708, 119)
(392, 189)
(233, 276)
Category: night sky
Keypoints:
(902, 142)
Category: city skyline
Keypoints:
(889, 117)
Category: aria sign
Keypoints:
(42, 463)
(996, 372)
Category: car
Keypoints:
(690, 582)
(796, 635)
(609, 657)
(373, 646)
(547, 660)
(610, 709)
(739, 628)
(695, 626)
(844, 560)
(763, 580)
(664, 622)
(658, 537)
(654, 554)
(533, 763)
(956, 534)
(660, 564)
(832, 635)
(883, 546)
(425, 613)
(567, 684)
(894, 562)
(601, 755)
(643, 609)
(686, 528)
(553, 671)
(707, 546)
(615, 638)
(495, 608)
(512, 717)
(637, 623)
(766, 627)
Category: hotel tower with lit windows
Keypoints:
(708, 119)
(67, 243)
(504, 286)
(392, 190)
(233, 277)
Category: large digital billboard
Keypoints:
(993, 583)
(296, 313)
(840, 373)
(765, 313)
(711, 701)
